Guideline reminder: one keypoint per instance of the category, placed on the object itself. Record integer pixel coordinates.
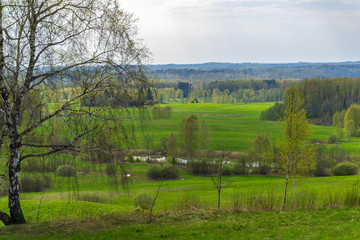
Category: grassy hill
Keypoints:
(236, 126)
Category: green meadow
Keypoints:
(234, 126)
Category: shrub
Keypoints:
(202, 167)
(227, 170)
(154, 172)
(332, 138)
(157, 172)
(143, 200)
(345, 168)
(170, 172)
(130, 158)
(66, 171)
(34, 183)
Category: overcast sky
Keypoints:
(197, 31)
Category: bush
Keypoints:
(332, 138)
(201, 167)
(154, 172)
(66, 171)
(170, 172)
(130, 158)
(143, 200)
(34, 183)
(157, 172)
(345, 168)
(227, 170)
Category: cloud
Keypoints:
(248, 30)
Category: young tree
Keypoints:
(217, 177)
(339, 132)
(349, 128)
(191, 136)
(295, 156)
(171, 146)
(353, 114)
(90, 45)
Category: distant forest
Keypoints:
(231, 71)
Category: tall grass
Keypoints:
(341, 196)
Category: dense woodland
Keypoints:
(322, 98)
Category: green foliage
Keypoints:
(35, 183)
(332, 139)
(190, 132)
(227, 170)
(345, 168)
(339, 132)
(143, 200)
(130, 158)
(323, 163)
(349, 128)
(158, 172)
(66, 171)
(273, 113)
(353, 114)
(295, 157)
(201, 167)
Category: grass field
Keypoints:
(93, 195)
(338, 223)
(235, 126)
(94, 206)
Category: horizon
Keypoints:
(299, 62)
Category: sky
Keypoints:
(258, 31)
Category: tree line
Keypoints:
(322, 98)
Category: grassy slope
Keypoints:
(300, 224)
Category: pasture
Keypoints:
(234, 126)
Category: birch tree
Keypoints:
(90, 45)
(295, 157)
